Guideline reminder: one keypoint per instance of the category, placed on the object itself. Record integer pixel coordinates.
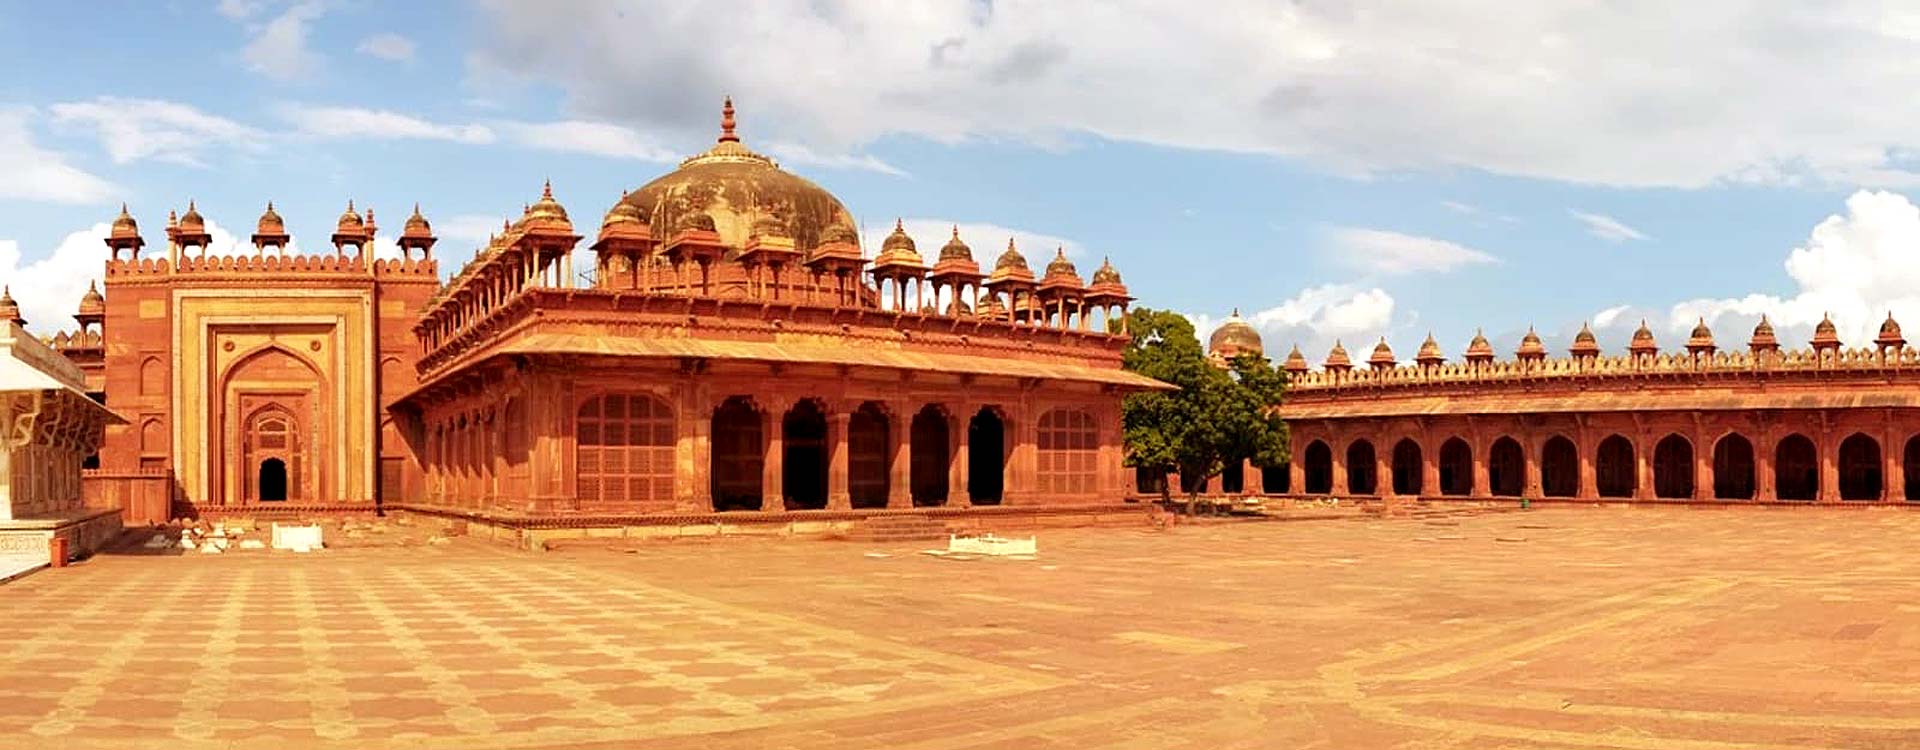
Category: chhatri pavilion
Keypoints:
(718, 342)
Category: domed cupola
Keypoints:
(546, 217)
(192, 221)
(898, 248)
(1106, 274)
(1296, 363)
(1337, 360)
(1234, 337)
(350, 220)
(1889, 337)
(271, 230)
(9, 309)
(1701, 340)
(1061, 270)
(1011, 265)
(1585, 346)
(1530, 347)
(123, 225)
(1642, 343)
(1382, 357)
(1763, 339)
(1479, 350)
(92, 303)
(1825, 334)
(736, 188)
(190, 230)
(956, 250)
(1429, 354)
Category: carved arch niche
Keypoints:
(274, 429)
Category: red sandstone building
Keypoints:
(1823, 424)
(719, 342)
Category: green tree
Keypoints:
(1216, 415)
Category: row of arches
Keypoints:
(1796, 468)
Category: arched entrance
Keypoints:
(1506, 468)
(930, 456)
(1276, 480)
(1360, 470)
(1559, 468)
(1910, 467)
(272, 480)
(1408, 469)
(803, 439)
(1233, 477)
(739, 451)
(1796, 469)
(1456, 468)
(867, 456)
(987, 458)
(1673, 467)
(272, 404)
(1733, 468)
(1318, 469)
(1860, 472)
(1614, 473)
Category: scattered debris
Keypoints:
(1509, 538)
(437, 540)
(252, 544)
(878, 555)
(989, 544)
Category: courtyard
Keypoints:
(1566, 628)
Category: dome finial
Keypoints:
(726, 122)
(1236, 311)
(546, 189)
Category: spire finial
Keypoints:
(726, 122)
(1236, 312)
(956, 231)
(123, 208)
(896, 225)
(349, 205)
(546, 190)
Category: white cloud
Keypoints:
(1608, 228)
(464, 232)
(36, 174)
(1480, 216)
(279, 48)
(1316, 318)
(987, 241)
(356, 122)
(49, 289)
(392, 47)
(1857, 267)
(1382, 251)
(1605, 318)
(1717, 91)
(239, 10)
(591, 138)
(135, 129)
(794, 154)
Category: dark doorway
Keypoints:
(1506, 468)
(1614, 472)
(1276, 480)
(273, 479)
(1361, 479)
(1733, 468)
(1456, 467)
(1559, 468)
(803, 435)
(1318, 469)
(1147, 480)
(986, 458)
(867, 457)
(1673, 468)
(1796, 470)
(739, 456)
(1408, 469)
(1860, 468)
(1233, 477)
(1910, 467)
(930, 456)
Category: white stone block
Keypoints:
(294, 537)
(989, 544)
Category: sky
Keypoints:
(1336, 170)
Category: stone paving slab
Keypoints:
(1668, 629)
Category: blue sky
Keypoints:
(1334, 170)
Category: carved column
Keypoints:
(1828, 452)
(1589, 485)
(773, 490)
(1531, 484)
(957, 496)
(1337, 451)
(1253, 480)
(1764, 487)
(1382, 466)
(899, 469)
(1893, 479)
(837, 496)
(1702, 460)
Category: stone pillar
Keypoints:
(1643, 448)
(1215, 485)
(838, 498)
(1382, 468)
(1430, 471)
(1828, 453)
(1481, 484)
(899, 470)
(1531, 484)
(1589, 483)
(1253, 480)
(1763, 479)
(773, 488)
(1893, 480)
(957, 496)
(1702, 467)
(1339, 463)
(1296, 476)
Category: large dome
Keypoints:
(1234, 337)
(740, 190)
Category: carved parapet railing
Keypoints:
(1678, 365)
(327, 263)
(142, 496)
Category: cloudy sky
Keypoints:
(1336, 169)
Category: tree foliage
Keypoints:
(1217, 415)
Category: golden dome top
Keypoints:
(955, 250)
(9, 309)
(191, 220)
(897, 248)
(1106, 274)
(1011, 265)
(1825, 334)
(350, 220)
(1584, 344)
(1530, 346)
(91, 303)
(1479, 348)
(1763, 337)
(1429, 353)
(1337, 359)
(270, 221)
(1642, 339)
(1296, 362)
(1889, 332)
(416, 224)
(1234, 337)
(1701, 338)
(1062, 268)
(735, 188)
(124, 225)
(1382, 356)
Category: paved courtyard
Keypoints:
(1649, 628)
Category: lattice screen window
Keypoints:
(625, 451)
(1069, 453)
